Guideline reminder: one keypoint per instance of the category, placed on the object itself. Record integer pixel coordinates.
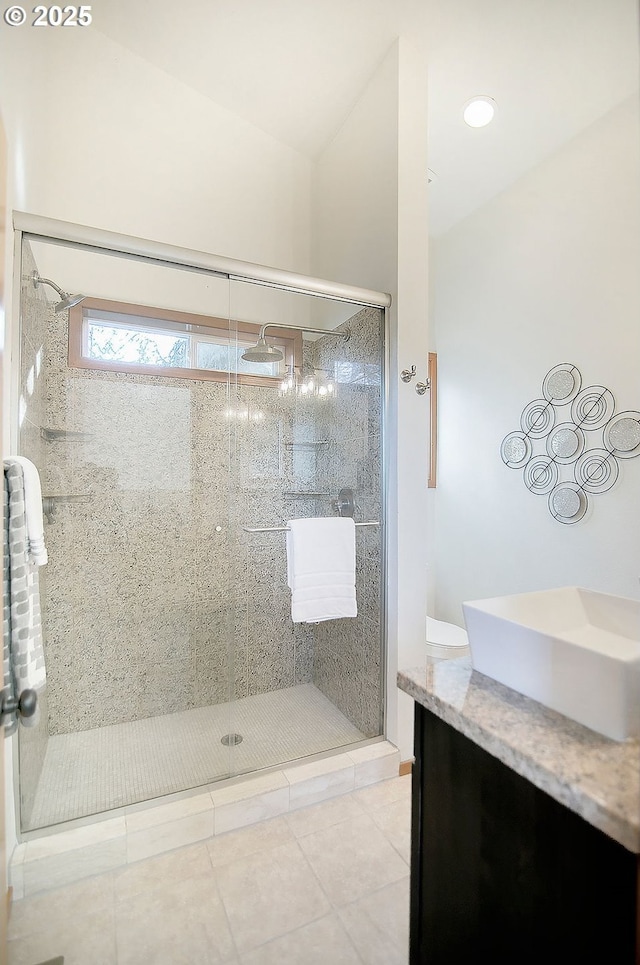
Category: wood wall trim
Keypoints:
(406, 767)
(291, 338)
(432, 374)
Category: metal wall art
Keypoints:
(570, 442)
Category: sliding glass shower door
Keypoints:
(308, 432)
(170, 465)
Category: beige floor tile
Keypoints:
(80, 939)
(269, 894)
(47, 910)
(324, 815)
(232, 845)
(378, 925)
(180, 922)
(352, 859)
(394, 820)
(155, 872)
(322, 942)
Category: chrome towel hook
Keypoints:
(407, 374)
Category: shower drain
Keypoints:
(229, 739)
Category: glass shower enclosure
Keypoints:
(170, 466)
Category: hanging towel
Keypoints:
(321, 569)
(33, 509)
(23, 653)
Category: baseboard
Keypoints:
(406, 767)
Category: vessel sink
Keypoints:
(574, 650)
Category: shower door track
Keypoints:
(97, 239)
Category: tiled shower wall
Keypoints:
(348, 653)
(149, 607)
(153, 609)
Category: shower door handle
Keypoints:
(24, 706)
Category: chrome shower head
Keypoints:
(66, 300)
(261, 352)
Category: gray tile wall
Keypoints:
(148, 609)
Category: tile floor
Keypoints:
(323, 885)
(93, 771)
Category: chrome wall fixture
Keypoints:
(568, 454)
(66, 299)
(421, 387)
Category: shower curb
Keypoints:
(96, 845)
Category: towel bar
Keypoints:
(285, 529)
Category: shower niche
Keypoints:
(166, 614)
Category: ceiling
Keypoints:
(295, 69)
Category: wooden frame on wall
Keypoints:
(226, 328)
(432, 374)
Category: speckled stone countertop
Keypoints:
(596, 777)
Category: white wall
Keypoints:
(355, 195)
(106, 139)
(545, 273)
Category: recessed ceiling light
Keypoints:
(479, 111)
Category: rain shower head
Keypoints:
(66, 300)
(261, 352)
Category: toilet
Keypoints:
(446, 639)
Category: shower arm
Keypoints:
(304, 328)
(39, 280)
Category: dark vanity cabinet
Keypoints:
(503, 873)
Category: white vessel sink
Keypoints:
(574, 650)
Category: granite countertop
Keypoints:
(596, 777)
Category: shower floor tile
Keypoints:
(97, 770)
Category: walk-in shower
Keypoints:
(172, 453)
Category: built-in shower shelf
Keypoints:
(57, 435)
(301, 493)
(51, 503)
(307, 443)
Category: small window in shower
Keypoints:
(134, 338)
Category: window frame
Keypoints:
(224, 328)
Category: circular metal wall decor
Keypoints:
(515, 450)
(561, 384)
(537, 419)
(569, 453)
(622, 435)
(593, 407)
(565, 443)
(540, 475)
(568, 502)
(596, 471)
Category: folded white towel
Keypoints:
(33, 510)
(321, 569)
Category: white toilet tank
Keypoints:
(446, 639)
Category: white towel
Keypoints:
(33, 510)
(321, 569)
